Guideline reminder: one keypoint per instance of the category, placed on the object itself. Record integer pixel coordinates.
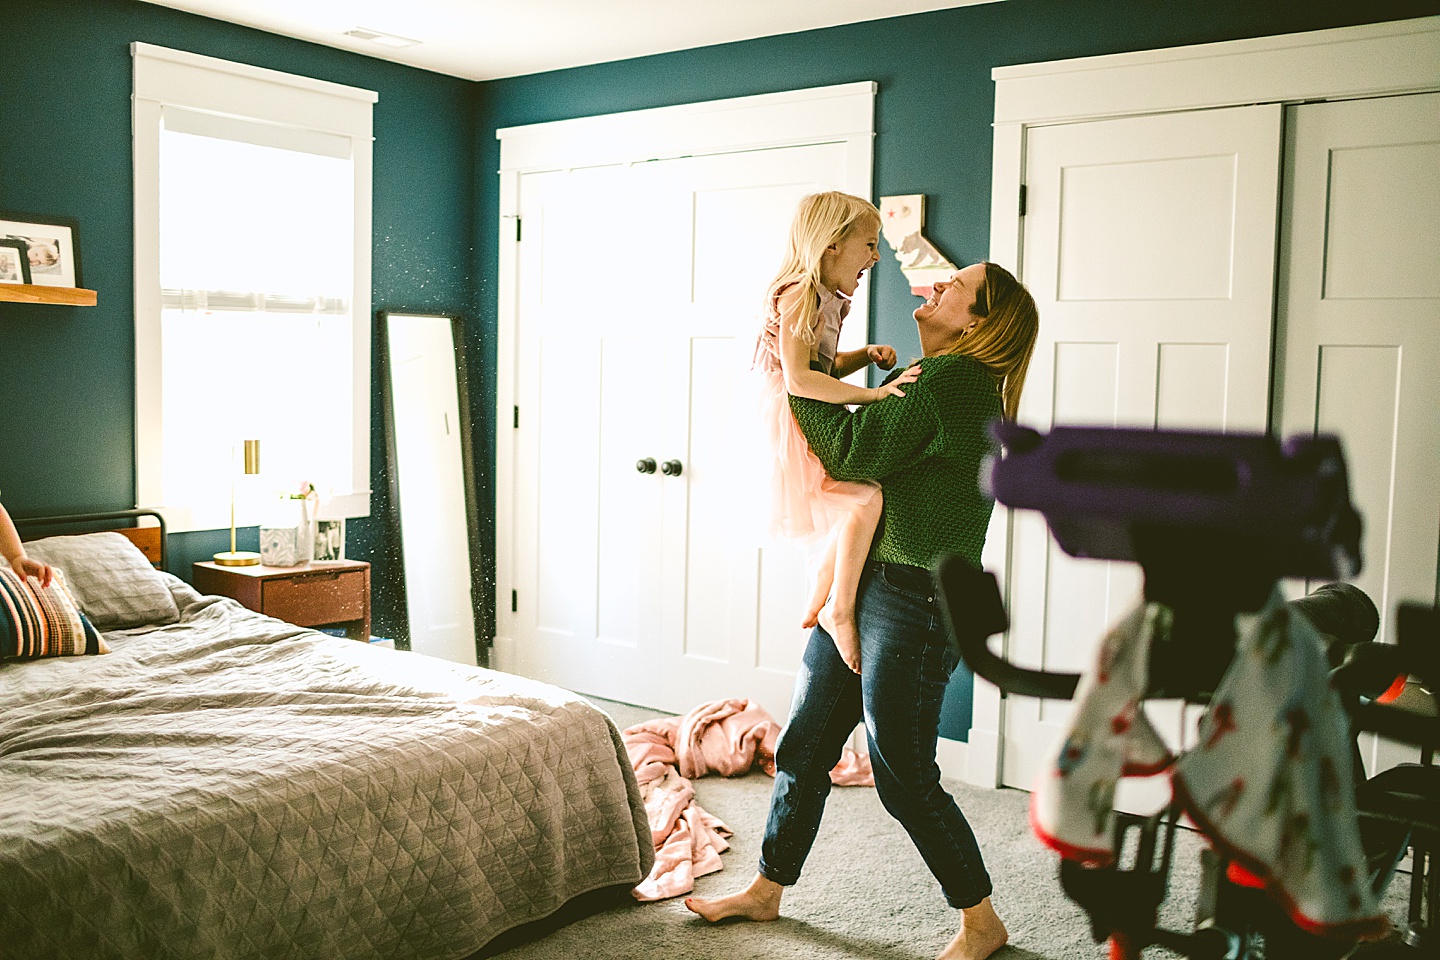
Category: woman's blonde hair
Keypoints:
(1006, 340)
(821, 220)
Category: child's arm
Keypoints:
(848, 361)
(873, 442)
(801, 381)
(14, 551)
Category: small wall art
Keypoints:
(902, 221)
(52, 246)
(14, 263)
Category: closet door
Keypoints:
(1150, 250)
(639, 295)
(583, 513)
(1360, 322)
(731, 596)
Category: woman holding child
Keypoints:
(924, 448)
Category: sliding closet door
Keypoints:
(1150, 249)
(1360, 321)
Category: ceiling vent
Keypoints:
(384, 39)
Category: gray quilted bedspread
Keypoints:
(230, 786)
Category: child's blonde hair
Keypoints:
(821, 220)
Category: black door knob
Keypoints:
(645, 466)
(671, 468)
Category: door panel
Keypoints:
(1383, 213)
(1168, 220)
(628, 585)
(1359, 305)
(565, 481)
(1150, 250)
(1190, 385)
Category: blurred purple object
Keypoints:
(1129, 494)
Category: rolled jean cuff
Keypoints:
(784, 879)
(965, 903)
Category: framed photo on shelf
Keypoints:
(52, 246)
(329, 539)
(14, 264)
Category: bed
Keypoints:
(223, 784)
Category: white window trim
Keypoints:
(206, 84)
(1373, 60)
(843, 113)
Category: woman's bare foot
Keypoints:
(981, 934)
(840, 624)
(759, 901)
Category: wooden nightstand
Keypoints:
(322, 593)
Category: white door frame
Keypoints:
(1373, 60)
(843, 113)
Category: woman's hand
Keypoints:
(882, 355)
(892, 389)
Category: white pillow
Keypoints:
(115, 586)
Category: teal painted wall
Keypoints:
(67, 422)
(932, 116)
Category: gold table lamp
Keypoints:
(233, 557)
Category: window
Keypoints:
(252, 238)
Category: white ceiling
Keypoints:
(489, 39)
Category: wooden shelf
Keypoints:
(34, 293)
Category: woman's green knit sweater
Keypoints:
(925, 449)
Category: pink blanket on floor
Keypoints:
(725, 737)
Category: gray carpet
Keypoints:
(865, 892)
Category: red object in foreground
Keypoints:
(1396, 688)
(1241, 877)
(1121, 948)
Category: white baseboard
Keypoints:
(502, 654)
(954, 758)
(982, 766)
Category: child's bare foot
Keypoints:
(840, 624)
(981, 934)
(817, 602)
(759, 901)
(812, 613)
(824, 582)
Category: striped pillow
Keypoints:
(38, 621)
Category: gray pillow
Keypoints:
(115, 586)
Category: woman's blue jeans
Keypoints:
(906, 659)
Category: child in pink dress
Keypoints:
(833, 241)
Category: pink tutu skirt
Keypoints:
(805, 501)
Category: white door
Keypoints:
(639, 298)
(1360, 315)
(1150, 250)
(434, 534)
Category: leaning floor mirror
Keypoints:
(432, 487)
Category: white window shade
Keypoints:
(252, 286)
(252, 217)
